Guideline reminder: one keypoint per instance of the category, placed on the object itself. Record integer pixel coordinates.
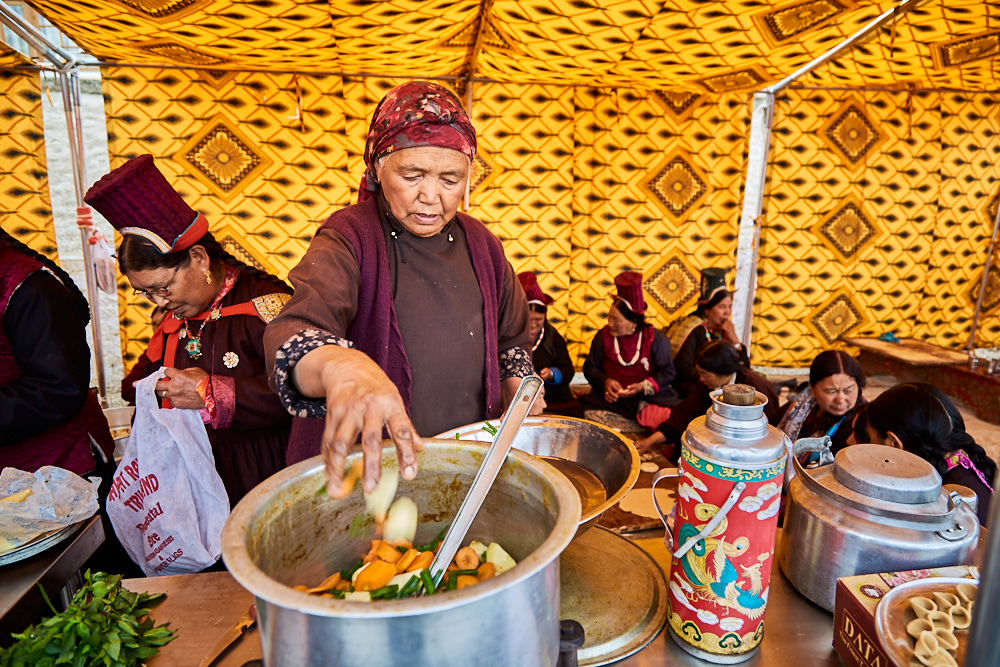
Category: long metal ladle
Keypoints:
(487, 474)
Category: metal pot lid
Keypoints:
(617, 620)
(887, 473)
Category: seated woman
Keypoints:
(48, 415)
(212, 342)
(709, 322)
(718, 364)
(919, 418)
(629, 365)
(549, 353)
(828, 406)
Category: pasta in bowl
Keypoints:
(925, 623)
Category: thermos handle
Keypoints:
(665, 473)
(734, 495)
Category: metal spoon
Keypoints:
(487, 474)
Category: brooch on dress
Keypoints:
(230, 359)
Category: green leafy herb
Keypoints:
(490, 428)
(105, 624)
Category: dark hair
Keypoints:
(79, 300)
(138, 254)
(622, 307)
(712, 303)
(719, 357)
(928, 425)
(834, 362)
(537, 308)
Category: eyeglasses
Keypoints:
(158, 291)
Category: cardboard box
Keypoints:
(854, 637)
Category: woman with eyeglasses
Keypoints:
(210, 343)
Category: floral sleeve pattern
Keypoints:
(515, 363)
(287, 356)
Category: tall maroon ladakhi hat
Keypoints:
(136, 199)
(629, 290)
(529, 282)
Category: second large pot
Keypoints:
(286, 532)
(876, 509)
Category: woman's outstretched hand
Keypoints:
(360, 400)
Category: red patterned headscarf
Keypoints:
(416, 113)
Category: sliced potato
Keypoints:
(377, 502)
(501, 559)
(400, 521)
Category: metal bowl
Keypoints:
(286, 531)
(601, 463)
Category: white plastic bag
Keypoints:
(168, 503)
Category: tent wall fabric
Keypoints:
(613, 137)
(25, 208)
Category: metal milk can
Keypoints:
(729, 492)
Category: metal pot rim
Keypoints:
(255, 580)
(559, 421)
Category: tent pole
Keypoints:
(758, 147)
(982, 285)
(66, 68)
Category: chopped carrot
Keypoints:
(300, 587)
(342, 585)
(422, 561)
(401, 542)
(466, 559)
(373, 553)
(375, 576)
(351, 478)
(465, 580)
(485, 571)
(388, 553)
(406, 560)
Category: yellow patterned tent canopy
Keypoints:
(613, 136)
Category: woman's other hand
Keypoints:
(545, 374)
(612, 389)
(631, 390)
(180, 387)
(650, 441)
(509, 387)
(729, 332)
(360, 400)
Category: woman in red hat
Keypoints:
(211, 342)
(709, 322)
(406, 315)
(549, 353)
(629, 365)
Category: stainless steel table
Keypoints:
(21, 604)
(202, 606)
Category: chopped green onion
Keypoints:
(384, 592)
(425, 578)
(462, 573)
(348, 573)
(452, 581)
(409, 587)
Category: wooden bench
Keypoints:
(917, 361)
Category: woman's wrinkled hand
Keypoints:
(729, 332)
(180, 387)
(361, 400)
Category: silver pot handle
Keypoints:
(734, 495)
(665, 473)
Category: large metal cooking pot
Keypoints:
(601, 463)
(287, 532)
(876, 509)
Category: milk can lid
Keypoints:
(886, 473)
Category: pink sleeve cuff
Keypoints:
(224, 393)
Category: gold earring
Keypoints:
(208, 277)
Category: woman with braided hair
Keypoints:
(211, 341)
(48, 415)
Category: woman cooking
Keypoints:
(406, 314)
(629, 365)
(211, 342)
(709, 322)
(828, 405)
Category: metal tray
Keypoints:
(893, 613)
(616, 591)
(40, 543)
